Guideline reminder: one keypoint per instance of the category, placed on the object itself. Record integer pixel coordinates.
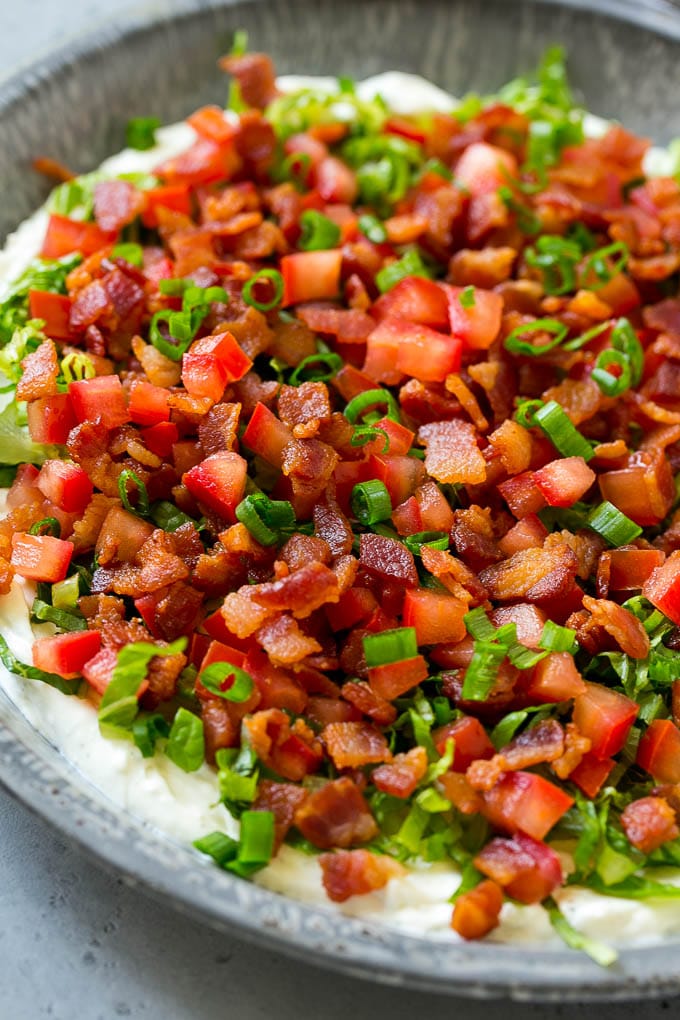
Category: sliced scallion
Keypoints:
(273, 281)
(390, 646)
(371, 502)
(318, 231)
(368, 401)
(516, 343)
(608, 521)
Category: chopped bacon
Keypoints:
(363, 697)
(39, 373)
(336, 815)
(347, 873)
(541, 743)
(533, 574)
(453, 454)
(284, 642)
(289, 753)
(255, 75)
(527, 869)
(477, 911)
(283, 800)
(649, 823)
(626, 629)
(354, 744)
(301, 592)
(401, 776)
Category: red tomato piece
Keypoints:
(562, 482)
(400, 438)
(659, 751)
(662, 587)
(219, 481)
(176, 197)
(149, 405)
(335, 181)
(54, 309)
(65, 485)
(41, 557)
(436, 616)
(396, 678)
(649, 823)
(629, 569)
(65, 236)
(204, 162)
(605, 716)
(266, 435)
(416, 300)
(98, 671)
(211, 363)
(477, 323)
(470, 742)
(122, 535)
(591, 774)
(101, 399)
(50, 419)
(522, 494)
(421, 352)
(353, 607)
(66, 654)
(528, 533)
(311, 275)
(401, 476)
(161, 438)
(526, 802)
(643, 491)
(526, 868)
(484, 168)
(555, 678)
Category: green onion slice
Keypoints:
(410, 264)
(47, 526)
(597, 265)
(273, 281)
(127, 476)
(432, 539)
(608, 521)
(319, 367)
(516, 344)
(266, 518)
(390, 646)
(371, 502)
(555, 638)
(611, 384)
(318, 231)
(130, 252)
(141, 132)
(368, 401)
(564, 436)
(364, 434)
(214, 676)
(372, 228)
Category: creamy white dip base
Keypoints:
(184, 805)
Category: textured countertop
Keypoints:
(76, 943)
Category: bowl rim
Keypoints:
(33, 771)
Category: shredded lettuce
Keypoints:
(298, 111)
(600, 953)
(13, 665)
(119, 705)
(16, 446)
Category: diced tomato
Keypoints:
(620, 293)
(354, 606)
(629, 569)
(98, 671)
(407, 517)
(555, 678)
(66, 654)
(54, 309)
(659, 751)
(416, 300)
(335, 181)
(591, 774)
(484, 168)
(476, 323)
(122, 535)
(24, 489)
(308, 146)
(65, 236)
(470, 742)
(526, 802)
(266, 435)
(528, 533)
(522, 494)
(149, 404)
(211, 363)
(219, 481)
(41, 557)
(101, 399)
(161, 438)
(605, 717)
(421, 352)
(401, 476)
(204, 162)
(436, 616)
(662, 587)
(401, 776)
(66, 485)
(400, 438)
(311, 275)
(50, 419)
(219, 652)
(394, 679)
(167, 196)
(564, 481)
(643, 491)
(210, 122)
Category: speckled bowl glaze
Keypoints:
(624, 59)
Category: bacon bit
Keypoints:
(614, 450)
(255, 75)
(649, 823)
(371, 704)
(284, 642)
(283, 800)
(580, 398)
(159, 370)
(542, 743)
(218, 430)
(468, 401)
(308, 402)
(472, 533)
(279, 747)
(53, 169)
(39, 373)
(355, 744)
(241, 614)
(336, 816)
(485, 268)
(116, 203)
(388, 560)
(575, 747)
(626, 629)
(456, 577)
(347, 873)
(453, 455)
(477, 912)
(350, 326)
(527, 869)
(237, 539)
(532, 574)
(301, 592)
(310, 465)
(300, 550)
(162, 676)
(513, 445)
(456, 788)
(401, 776)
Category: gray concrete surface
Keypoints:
(76, 944)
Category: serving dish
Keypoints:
(135, 850)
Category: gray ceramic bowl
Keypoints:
(624, 58)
